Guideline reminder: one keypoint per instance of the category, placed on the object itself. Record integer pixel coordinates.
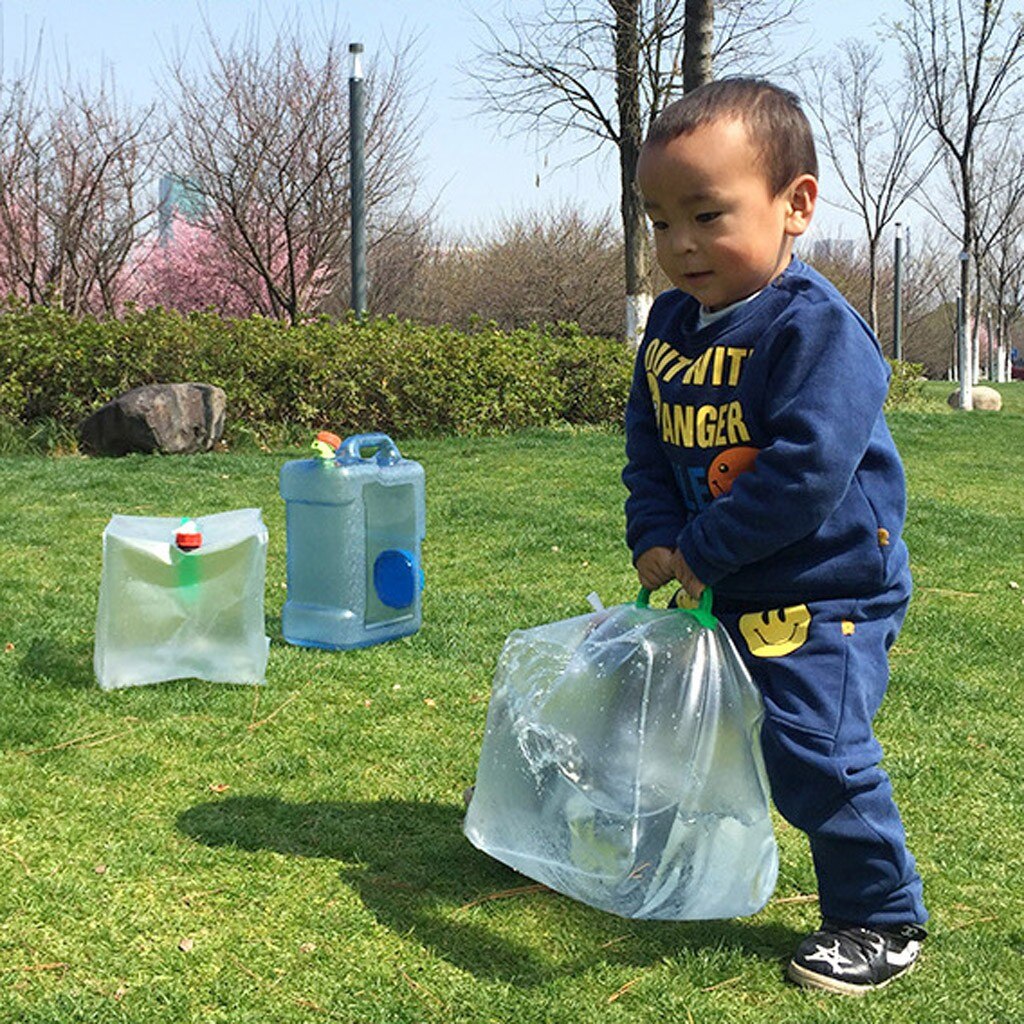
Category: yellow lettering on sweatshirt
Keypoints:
(703, 426)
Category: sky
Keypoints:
(477, 172)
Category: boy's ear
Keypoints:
(801, 196)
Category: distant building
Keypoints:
(178, 197)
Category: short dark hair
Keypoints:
(773, 117)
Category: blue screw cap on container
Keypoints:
(396, 578)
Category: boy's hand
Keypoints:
(654, 567)
(682, 572)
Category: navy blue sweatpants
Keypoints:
(823, 670)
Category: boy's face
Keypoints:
(719, 233)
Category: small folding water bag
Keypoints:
(621, 765)
(182, 599)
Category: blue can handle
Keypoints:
(387, 453)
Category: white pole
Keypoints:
(965, 355)
(637, 309)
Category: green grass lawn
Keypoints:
(202, 852)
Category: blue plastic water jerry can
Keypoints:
(356, 517)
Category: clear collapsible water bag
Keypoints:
(182, 599)
(356, 518)
(621, 765)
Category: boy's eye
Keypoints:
(706, 218)
(659, 225)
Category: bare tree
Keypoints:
(74, 169)
(698, 43)
(873, 133)
(966, 57)
(543, 267)
(929, 293)
(628, 49)
(1006, 282)
(599, 71)
(398, 252)
(262, 135)
(999, 240)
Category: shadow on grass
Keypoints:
(415, 872)
(58, 661)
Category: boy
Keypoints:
(759, 463)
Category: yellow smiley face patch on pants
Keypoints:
(777, 632)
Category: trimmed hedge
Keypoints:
(380, 374)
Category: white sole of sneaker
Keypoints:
(811, 979)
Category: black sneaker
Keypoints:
(853, 960)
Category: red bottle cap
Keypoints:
(328, 438)
(188, 537)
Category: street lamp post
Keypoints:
(897, 300)
(357, 177)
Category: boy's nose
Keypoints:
(681, 241)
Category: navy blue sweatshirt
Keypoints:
(757, 446)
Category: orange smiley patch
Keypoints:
(727, 466)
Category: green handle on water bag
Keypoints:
(188, 574)
(702, 613)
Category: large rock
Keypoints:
(176, 419)
(984, 398)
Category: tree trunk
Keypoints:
(627, 95)
(873, 285)
(965, 356)
(698, 32)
